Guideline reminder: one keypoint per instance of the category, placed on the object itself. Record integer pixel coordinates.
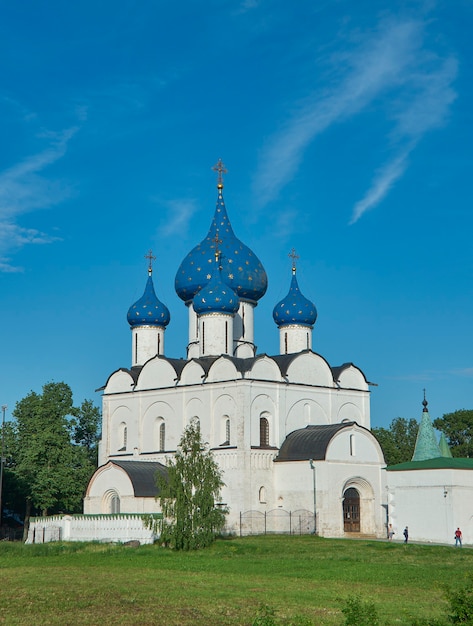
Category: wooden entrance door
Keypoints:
(351, 511)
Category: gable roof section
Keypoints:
(310, 442)
(242, 365)
(142, 475)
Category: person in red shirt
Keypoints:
(458, 538)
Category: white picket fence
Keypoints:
(119, 528)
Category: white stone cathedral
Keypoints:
(290, 433)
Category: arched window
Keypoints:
(111, 503)
(262, 495)
(115, 504)
(162, 437)
(225, 430)
(263, 432)
(352, 445)
(123, 435)
(306, 413)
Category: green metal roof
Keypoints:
(426, 442)
(444, 447)
(440, 462)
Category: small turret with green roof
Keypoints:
(444, 447)
(426, 442)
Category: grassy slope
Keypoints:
(101, 584)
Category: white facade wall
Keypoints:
(295, 338)
(216, 334)
(287, 407)
(193, 329)
(146, 342)
(222, 395)
(243, 332)
(353, 460)
(432, 503)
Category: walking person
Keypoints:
(406, 534)
(390, 532)
(458, 538)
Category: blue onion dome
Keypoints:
(241, 268)
(216, 296)
(295, 308)
(148, 310)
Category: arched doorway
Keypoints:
(351, 511)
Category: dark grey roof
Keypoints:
(310, 442)
(134, 373)
(283, 361)
(143, 476)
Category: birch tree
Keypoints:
(189, 495)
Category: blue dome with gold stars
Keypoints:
(295, 308)
(241, 268)
(148, 310)
(216, 296)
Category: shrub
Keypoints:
(359, 612)
(461, 602)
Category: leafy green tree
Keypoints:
(188, 495)
(86, 429)
(398, 441)
(53, 468)
(14, 490)
(458, 429)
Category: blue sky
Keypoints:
(347, 131)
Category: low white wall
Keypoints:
(432, 503)
(106, 528)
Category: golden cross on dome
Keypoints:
(220, 168)
(292, 254)
(151, 258)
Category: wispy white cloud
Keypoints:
(426, 110)
(467, 372)
(179, 214)
(390, 61)
(248, 5)
(13, 237)
(285, 224)
(24, 187)
(382, 183)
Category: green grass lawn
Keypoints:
(298, 577)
